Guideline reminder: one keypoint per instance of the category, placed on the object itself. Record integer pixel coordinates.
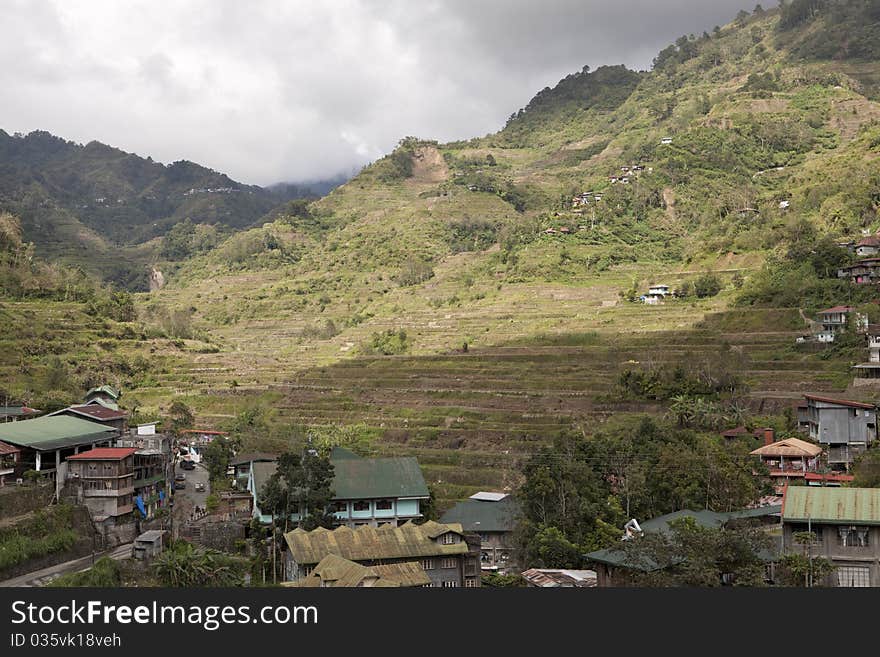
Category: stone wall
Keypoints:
(18, 500)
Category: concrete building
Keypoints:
(443, 551)
(103, 479)
(846, 525)
(153, 467)
(845, 428)
(149, 544)
(493, 517)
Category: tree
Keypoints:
(184, 565)
(301, 485)
(689, 554)
(217, 455)
(867, 470)
(707, 285)
(180, 416)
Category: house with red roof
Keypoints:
(8, 461)
(103, 479)
(868, 246)
(109, 417)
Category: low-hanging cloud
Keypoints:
(278, 90)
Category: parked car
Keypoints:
(179, 485)
(180, 477)
(187, 465)
(200, 487)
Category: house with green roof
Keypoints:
(46, 442)
(845, 525)
(374, 491)
(442, 550)
(492, 516)
(614, 565)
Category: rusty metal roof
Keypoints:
(336, 571)
(554, 578)
(371, 543)
(789, 447)
(831, 505)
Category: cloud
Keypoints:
(279, 90)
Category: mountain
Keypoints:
(466, 301)
(72, 197)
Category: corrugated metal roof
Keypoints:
(8, 449)
(788, 447)
(552, 578)
(253, 457)
(336, 571)
(484, 516)
(356, 479)
(103, 454)
(363, 479)
(842, 402)
(833, 505)
(96, 412)
(56, 432)
(371, 543)
(483, 496)
(107, 390)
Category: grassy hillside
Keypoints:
(102, 209)
(453, 302)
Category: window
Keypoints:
(384, 505)
(361, 505)
(449, 563)
(852, 536)
(428, 564)
(853, 576)
(339, 507)
(484, 538)
(450, 585)
(449, 538)
(471, 583)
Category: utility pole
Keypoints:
(810, 550)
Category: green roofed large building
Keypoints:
(46, 442)
(845, 524)
(374, 492)
(493, 516)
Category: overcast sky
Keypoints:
(292, 90)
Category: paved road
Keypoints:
(46, 575)
(187, 499)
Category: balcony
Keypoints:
(108, 492)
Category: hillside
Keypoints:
(456, 302)
(99, 207)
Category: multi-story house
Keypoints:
(103, 480)
(8, 461)
(844, 427)
(152, 467)
(833, 321)
(492, 517)
(845, 528)
(787, 459)
(443, 551)
(374, 492)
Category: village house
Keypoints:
(105, 395)
(656, 294)
(552, 578)
(843, 427)
(334, 571)
(493, 517)
(45, 443)
(241, 466)
(616, 567)
(666, 141)
(103, 480)
(374, 492)
(788, 458)
(443, 551)
(153, 464)
(15, 413)
(194, 441)
(8, 462)
(868, 246)
(863, 272)
(870, 369)
(741, 432)
(846, 525)
(97, 412)
(833, 321)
